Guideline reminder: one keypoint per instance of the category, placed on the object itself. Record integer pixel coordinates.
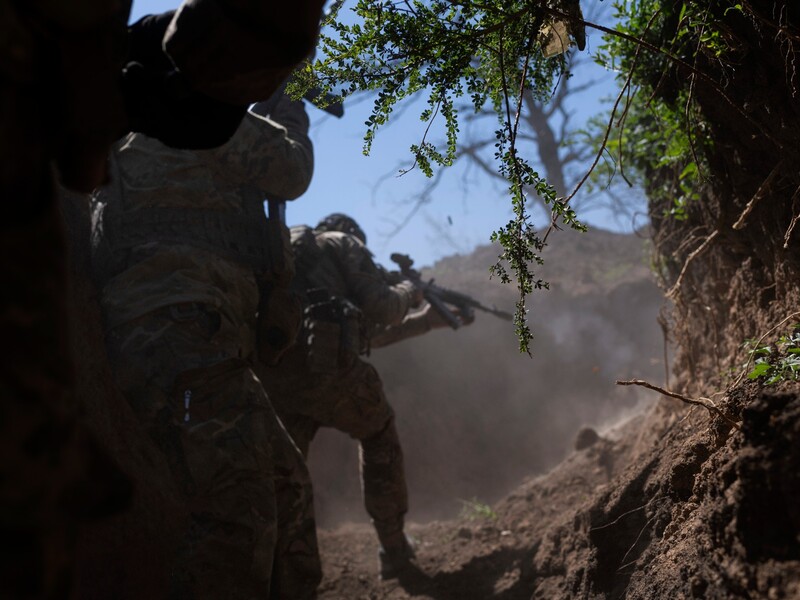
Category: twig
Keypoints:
(636, 541)
(688, 107)
(762, 189)
(703, 402)
(674, 289)
(619, 518)
(662, 321)
(424, 138)
(621, 126)
(793, 221)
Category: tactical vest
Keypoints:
(332, 330)
(238, 237)
(242, 235)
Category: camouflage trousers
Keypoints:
(351, 400)
(251, 531)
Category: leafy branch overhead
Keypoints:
(490, 51)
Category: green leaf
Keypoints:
(760, 370)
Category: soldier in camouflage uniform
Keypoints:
(61, 107)
(179, 238)
(350, 304)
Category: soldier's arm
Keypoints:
(380, 302)
(273, 153)
(413, 324)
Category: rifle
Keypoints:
(440, 297)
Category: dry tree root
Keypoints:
(672, 292)
(795, 217)
(760, 193)
(702, 402)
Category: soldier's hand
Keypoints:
(437, 321)
(466, 315)
(417, 296)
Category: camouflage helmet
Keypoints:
(343, 223)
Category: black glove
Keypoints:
(160, 102)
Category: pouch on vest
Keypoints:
(332, 333)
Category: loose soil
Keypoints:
(669, 505)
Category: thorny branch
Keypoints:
(642, 43)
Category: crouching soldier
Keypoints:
(350, 304)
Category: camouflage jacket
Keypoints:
(140, 274)
(413, 324)
(344, 267)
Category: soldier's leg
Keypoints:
(359, 408)
(352, 401)
(297, 569)
(384, 483)
(209, 414)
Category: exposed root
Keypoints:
(795, 217)
(675, 288)
(664, 323)
(702, 402)
(760, 193)
(619, 518)
(636, 541)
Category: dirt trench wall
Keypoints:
(707, 513)
(734, 262)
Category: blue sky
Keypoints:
(466, 207)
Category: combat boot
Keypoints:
(395, 556)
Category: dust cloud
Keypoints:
(476, 417)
